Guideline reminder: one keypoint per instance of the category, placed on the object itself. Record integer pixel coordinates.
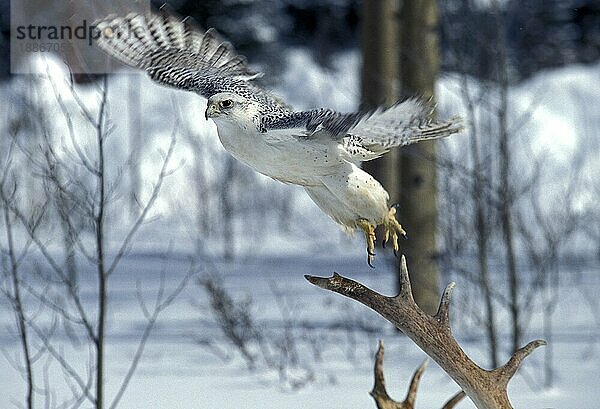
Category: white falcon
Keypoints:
(319, 149)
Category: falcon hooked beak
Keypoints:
(212, 110)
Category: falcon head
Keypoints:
(227, 106)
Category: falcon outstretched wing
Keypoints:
(175, 53)
(368, 135)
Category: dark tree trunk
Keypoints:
(380, 39)
(419, 65)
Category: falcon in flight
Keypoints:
(319, 149)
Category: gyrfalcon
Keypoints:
(319, 149)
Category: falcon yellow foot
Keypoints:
(393, 229)
(369, 231)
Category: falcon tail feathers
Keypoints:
(155, 41)
(402, 124)
(436, 130)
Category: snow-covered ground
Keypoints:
(179, 369)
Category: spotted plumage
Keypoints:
(319, 149)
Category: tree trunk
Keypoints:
(506, 194)
(506, 203)
(380, 39)
(419, 65)
(99, 220)
(480, 199)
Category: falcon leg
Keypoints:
(393, 229)
(369, 231)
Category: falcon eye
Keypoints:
(227, 103)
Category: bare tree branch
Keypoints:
(161, 303)
(164, 173)
(15, 275)
(84, 160)
(59, 357)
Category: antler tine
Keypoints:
(379, 392)
(442, 314)
(383, 400)
(508, 370)
(405, 286)
(453, 401)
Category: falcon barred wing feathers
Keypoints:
(173, 52)
(368, 135)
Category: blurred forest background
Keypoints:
(102, 174)
(540, 34)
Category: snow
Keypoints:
(177, 370)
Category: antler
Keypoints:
(486, 388)
(383, 400)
